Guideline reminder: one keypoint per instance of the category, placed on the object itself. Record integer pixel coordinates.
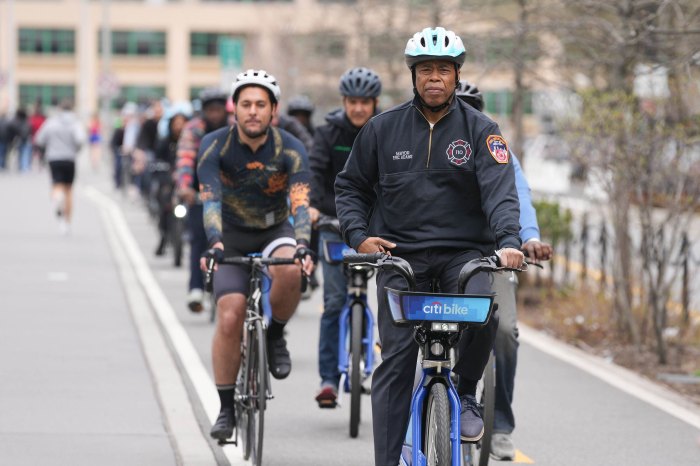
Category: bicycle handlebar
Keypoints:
(249, 260)
(387, 262)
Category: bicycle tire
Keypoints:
(176, 235)
(488, 401)
(357, 318)
(243, 408)
(436, 427)
(258, 391)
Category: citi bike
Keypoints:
(253, 384)
(433, 436)
(356, 324)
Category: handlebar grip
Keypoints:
(363, 258)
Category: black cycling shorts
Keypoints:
(238, 242)
(62, 171)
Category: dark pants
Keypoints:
(198, 244)
(335, 292)
(505, 286)
(392, 382)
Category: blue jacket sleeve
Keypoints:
(529, 228)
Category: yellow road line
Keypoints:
(521, 458)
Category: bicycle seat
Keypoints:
(412, 307)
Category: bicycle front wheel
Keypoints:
(255, 398)
(357, 318)
(488, 401)
(436, 427)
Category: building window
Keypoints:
(208, 44)
(139, 94)
(47, 41)
(47, 94)
(501, 102)
(134, 43)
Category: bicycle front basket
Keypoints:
(334, 251)
(412, 306)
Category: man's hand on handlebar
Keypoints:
(375, 244)
(216, 252)
(306, 257)
(537, 250)
(510, 258)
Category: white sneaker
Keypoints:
(502, 447)
(63, 227)
(194, 300)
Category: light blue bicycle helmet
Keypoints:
(430, 44)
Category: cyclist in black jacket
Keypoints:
(432, 181)
(360, 88)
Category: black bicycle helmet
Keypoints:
(360, 82)
(300, 103)
(211, 95)
(470, 94)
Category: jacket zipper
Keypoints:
(430, 139)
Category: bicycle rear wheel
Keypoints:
(255, 390)
(436, 427)
(357, 318)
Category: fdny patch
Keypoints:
(498, 148)
(459, 152)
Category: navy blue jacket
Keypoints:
(451, 185)
(332, 144)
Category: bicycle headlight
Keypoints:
(436, 348)
(180, 211)
(444, 327)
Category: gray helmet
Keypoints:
(212, 94)
(300, 103)
(360, 82)
(470, 94)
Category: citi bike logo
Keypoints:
(445, 309)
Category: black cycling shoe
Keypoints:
(223, 427)
(278, 358)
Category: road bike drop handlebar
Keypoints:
(215, 256)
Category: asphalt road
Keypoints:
(78, 384)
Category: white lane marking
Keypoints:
(619, 377)
(187, 354)
(58, 277)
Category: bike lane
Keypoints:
(75, 385)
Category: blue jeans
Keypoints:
(334, 295)
(198, 244)
(25, 156)
(506, 348)
(3, 154)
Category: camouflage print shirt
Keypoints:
(253, 190)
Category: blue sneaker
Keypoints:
(472, 426)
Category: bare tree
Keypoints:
(633, 141)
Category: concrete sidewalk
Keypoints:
(75, 388)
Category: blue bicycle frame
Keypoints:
(355, 296)
(357, 293)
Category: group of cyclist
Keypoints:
(431, 180)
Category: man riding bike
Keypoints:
(248, 172)
(431, 181)
(505, 286)
(360, 89)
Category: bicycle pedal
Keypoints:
(222, 442)
(327, 404)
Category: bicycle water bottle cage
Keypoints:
(446, 312)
